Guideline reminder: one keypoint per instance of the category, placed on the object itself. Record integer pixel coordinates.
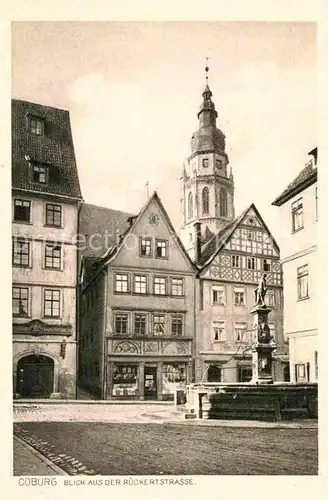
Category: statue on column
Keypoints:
(260, 291)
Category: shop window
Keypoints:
(244, 373)
(125, 380)
(173, 377)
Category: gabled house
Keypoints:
(137, 311)
(230, 266)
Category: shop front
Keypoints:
(147, 379)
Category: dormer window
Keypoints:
(39, 174)
(36, 125)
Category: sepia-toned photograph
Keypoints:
(164, 248)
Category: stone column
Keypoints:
(262, 348)
(142, 380)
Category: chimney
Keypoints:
(198, 241)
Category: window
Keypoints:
(218, 331)
(235, 261)
(297, 214)
(125, 380)
(145, 247)
(161, 248)
(52, 303)
(266, 265)
(190, 206)
(52, 256)
(39, 174)
(36, 125)
(300, 374)
(140, 324)
(244, 373)
(53, 215)
(303, 282)
(205, 162)
(20, 301)
(218, 295)
(173, 376)
(250, 263)
(223, 203)
(21, 253)
(22, 210)
(177, 324)
(158, 324)
(177, 286)
(160, 286)
(270, 298)
(272, 327)
(121, 323)
(241, 332)
(121, 283)
(205, 201)
(214, 373)
(239, 297)
(140, 284)
(218, 163)
(316, 203)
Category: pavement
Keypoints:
(33, 456)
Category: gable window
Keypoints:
(53, 215)
(20, 301)
(239, 297)
(21, 253)
(140, 284)
(205, 162)
(270, 298)
(36, 125)
(159, 286)
(266, 265)
(145, 247)
(52, 256)
(121, 323)
(161, 248)
(52, 303)
(218, 331)
(158, 324)
(177, 286)
(22, 210)
(121, 283)
(250, 262)
(241, 332)
(235, 261)
(303, 282)
(205, 201)
(190, 206)
(218, 295)
(39, 174)
(177, 324)
(140, 324)
(223, 203)
(297, 214)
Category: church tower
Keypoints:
(207, 181)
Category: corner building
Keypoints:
(137, 312)
(231, 254)
(45, 202)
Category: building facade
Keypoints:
(231, 255)
(45, 202)
(137, 312)
(298, 205)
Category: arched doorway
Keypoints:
(214, 373)
(35, 376)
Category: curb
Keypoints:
(17, 402)
(51, 465)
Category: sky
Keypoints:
(133, 90)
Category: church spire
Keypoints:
(207, 94)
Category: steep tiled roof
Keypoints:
(216, 242)
(305, 178)
(54, 147)
(100, 227)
